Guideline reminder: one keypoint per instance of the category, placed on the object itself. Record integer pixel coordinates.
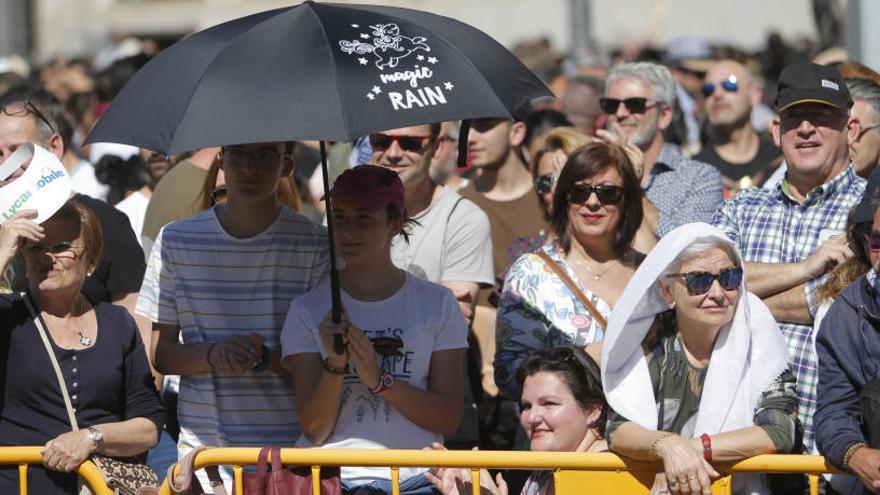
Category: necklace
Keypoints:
(597, 276)
(84, 339)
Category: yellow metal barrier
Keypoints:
(600, 472)
(22, 456)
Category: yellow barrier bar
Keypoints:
(316, 480)
(475, 481)
(22, 479)
(561, 462)
(22, 456)
(238, 473)
(811, 464)
(395, 480)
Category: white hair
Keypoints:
(657, 77)
(696, 248)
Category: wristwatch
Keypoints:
(263, 363)
(96, 437)
(386, 381)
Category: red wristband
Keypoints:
(707, 446)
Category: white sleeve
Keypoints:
(299, 334)
(157, 299)
(451, 330)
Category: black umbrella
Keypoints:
(316, 71)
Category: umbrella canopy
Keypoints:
(315, 71)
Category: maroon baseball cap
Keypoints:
(372, 186)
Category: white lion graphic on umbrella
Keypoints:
(389, 46)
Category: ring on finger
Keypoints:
(673, 483)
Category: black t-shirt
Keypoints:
(757, 168)
(107, 382)
(121, 266)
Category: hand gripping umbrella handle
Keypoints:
(336, 300)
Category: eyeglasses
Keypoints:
(544, 183)
(873, 240)
(700, 282)
(866, 129)
(580, 193)
(387, 346)
(633, 105)
(26, 108)
(260, 158)
(62, 250)
(730, 85)
(381, 142)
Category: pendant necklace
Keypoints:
(84, 339)
(597, 276)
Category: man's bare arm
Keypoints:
(790, 306)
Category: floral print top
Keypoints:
(537, 311)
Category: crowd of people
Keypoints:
(674, 260)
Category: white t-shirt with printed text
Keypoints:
(426, 317)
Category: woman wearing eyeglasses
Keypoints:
(563, 410)
(694, 367)
(563, 293)
(97, 347)
(397, 384)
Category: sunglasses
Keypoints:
(633, 105)
(238, 157)
(873, 240)
(730, 85)
(387, 346)
(700, 282)
(62, 250)
(26, 108)
(381, 142)
(580, 193)
(544, 183)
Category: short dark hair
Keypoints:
(588, 161)
(579, 372)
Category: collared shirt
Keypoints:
(684, 190)
(769, 226)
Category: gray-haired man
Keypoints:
(638, 100)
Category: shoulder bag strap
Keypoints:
(572, 286)
(45, 338)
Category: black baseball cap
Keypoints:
(807, 82)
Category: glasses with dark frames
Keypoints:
(699, 282)
(873, 240)
(381, 142)
(730, 85)
(633, 105)
(544, 183)
(607, 194)
(26, 108)
(62, 250)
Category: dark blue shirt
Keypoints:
(107, 382)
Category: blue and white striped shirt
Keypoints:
(215, 286)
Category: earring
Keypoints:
(672, 305)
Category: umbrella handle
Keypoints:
(335, 297)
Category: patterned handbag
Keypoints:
(121, 475)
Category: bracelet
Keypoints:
(849, 453)
(707, 446)
(336, 371)
(653, 450)
(208, 356)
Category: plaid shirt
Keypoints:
(769, 226)
(684, 190)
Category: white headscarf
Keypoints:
(749, 354)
